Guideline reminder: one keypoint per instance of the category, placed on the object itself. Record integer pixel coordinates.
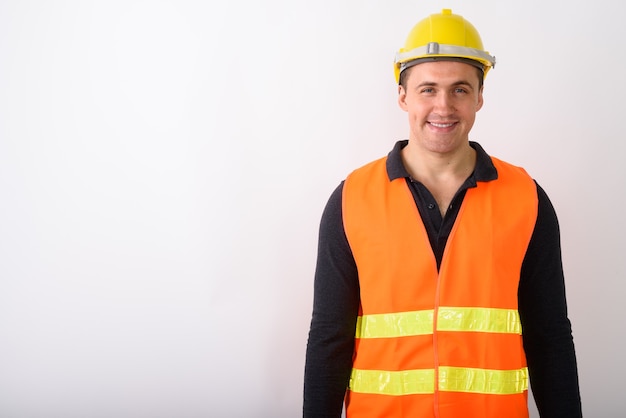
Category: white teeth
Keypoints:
(441, 125)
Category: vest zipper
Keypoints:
(436, 312)
(436, 349)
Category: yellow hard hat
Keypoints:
(443, 36)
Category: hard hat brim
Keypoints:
(442, 52)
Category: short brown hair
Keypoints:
(404, 75)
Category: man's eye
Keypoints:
(460, 90)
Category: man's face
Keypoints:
(441, 99)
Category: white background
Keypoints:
(164, 165)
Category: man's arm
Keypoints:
(547, 332)
(335, 309)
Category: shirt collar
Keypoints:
(484, 170)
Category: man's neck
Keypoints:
(441, 174)
(427, 166)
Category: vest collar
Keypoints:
(484, 171)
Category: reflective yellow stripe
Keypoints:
(494, 382)
(451, 379)
(505, 321)
(402, 324)
(408, 382)
(405, 324)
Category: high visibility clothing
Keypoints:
(443, 36)
(445, 343)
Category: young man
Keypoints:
(439, 288)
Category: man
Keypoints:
(439, 288)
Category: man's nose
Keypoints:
(444, 104)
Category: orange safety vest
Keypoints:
(447, 343)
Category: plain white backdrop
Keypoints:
(164, 165)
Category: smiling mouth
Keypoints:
(442, 125)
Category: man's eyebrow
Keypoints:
(456, 83)
(463, 83)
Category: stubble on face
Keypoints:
(441, 100)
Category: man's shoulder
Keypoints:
(367, 179)
(372, 165)
(505, 167)
(391, 164)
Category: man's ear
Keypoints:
(480, 102)
(402, 98)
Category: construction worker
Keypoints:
(439, 288)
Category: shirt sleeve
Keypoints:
(335, 309)
(546, 329)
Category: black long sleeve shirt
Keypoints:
(546, 329)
